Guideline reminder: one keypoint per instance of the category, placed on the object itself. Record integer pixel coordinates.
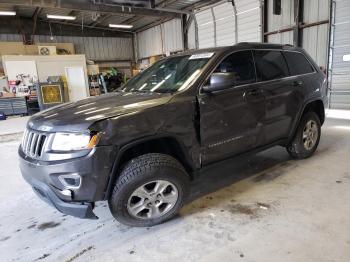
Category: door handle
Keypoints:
(254, 92)
(298, 83)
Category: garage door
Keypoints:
(340, 56)
(225, 24)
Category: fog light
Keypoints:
(70, 181)
(67, 193)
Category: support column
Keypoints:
(214, 25)
(184, 23)
(236, 21)
(298, 18)
(264, 23)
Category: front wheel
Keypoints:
(307, 137)
(150, 190)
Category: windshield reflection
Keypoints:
(168, 75)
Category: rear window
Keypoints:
(270, 65)
(297, 63)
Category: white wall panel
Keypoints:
(217, 24)
(315, 10)
(340, 69)
(95, 48)
(315, 38)
(150, 42)
(315, 42)
(249, 20)
(281, 38)
(279, 22)
(10, 38)
(285, 20)
(160, 39)
(205, 22)
(225, 24)
(172, 36)
(191, 36)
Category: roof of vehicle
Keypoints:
(241, 45)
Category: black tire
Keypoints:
(296, 148)
(142, 170)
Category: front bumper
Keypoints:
(81, 210)
(94, 170)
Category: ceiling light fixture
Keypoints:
(7, 13)
(121, 26)
(62, 17)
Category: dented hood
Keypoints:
(78, 116)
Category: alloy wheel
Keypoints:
(310, 134)
(152, 199)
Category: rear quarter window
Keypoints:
(297, 63)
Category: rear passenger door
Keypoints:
(301, 70)
(282, 93)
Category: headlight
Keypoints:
(74, 141)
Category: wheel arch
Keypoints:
(155, 144)
(316, 106)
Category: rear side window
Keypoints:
(239, 67)
(270, 65)
(297, 63)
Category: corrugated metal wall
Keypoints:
(216, 25)
(281, 38)
(225, 24)
(191, 35)
(172, 36)
(315, 39)
(280, 22)
(149, 42)
(248, 20)
(95, 48)
(315, 42)
(10, 38)
(205, 22)
(160, 39)
(340, 69)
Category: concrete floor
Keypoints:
(265, 207)
(13, 125)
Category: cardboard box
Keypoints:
(154, 59)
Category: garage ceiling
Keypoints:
(98, 14)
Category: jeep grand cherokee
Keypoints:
(137, 148)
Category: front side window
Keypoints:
(168, 75)
(297, 63)
(270, 65)
(237, 69)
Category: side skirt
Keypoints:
(281, 142)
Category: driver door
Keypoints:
(231, 110)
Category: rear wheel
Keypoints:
(307, 137)
(150, 190)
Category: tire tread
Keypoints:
(294, 149)
(136, 166)
(143, 168)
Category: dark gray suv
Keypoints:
(138, 148)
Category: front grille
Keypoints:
(33, 143)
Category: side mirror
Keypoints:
(219, 81)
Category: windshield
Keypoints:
(168, 75)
